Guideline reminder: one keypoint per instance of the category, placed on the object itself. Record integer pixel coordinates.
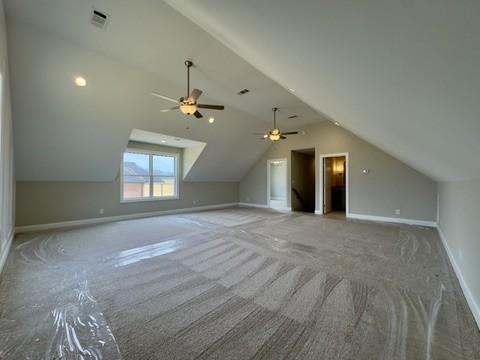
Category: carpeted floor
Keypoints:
(238, 283)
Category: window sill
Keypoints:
(123, 201)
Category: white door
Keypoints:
(327, 185)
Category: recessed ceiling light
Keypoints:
(337, 123)
(291, 90)
(80, 81)
(164, 141)
(211, 120)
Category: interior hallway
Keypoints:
(238, 283)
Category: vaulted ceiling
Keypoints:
(402, 74)
(66, 133)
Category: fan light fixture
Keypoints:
(188, 109)
(188, 105)
(274, 135)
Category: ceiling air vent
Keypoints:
(243, 92)
(293, 116)
(99, 19)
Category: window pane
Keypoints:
(163, 186)
(135, 187)
(163, 165)
(136, 164)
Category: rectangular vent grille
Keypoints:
(243, 92)
(293, 116)
(99, 19)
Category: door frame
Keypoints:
(269, 162)
(321, 182)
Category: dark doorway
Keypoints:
(303, 180)
(334, 176)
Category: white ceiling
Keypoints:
(67, 133)
(402, 74)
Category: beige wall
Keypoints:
(44, 202)
(7, 182)
(459, 214)
(390, 184)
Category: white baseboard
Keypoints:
(263, 206)
(474, 306)
(4, 255)
(392, 220)
(318, 212)
(63, 224)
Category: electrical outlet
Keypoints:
(101, 211)
(397, 212)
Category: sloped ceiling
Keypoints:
(66, 133)
(402, 74)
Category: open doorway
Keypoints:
(303, 180)
(334, 184)
(277, 183)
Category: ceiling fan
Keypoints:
(188, 105)
(275, 134)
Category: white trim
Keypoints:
(157, 198)
(438, 206)
(269, 161)
(474, 307)
(392, 220)
(321, 183)
(262, 206)
(63, 224)
(3, 257)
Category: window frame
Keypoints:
(151, 153)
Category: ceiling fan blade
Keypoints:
(290, 133)
(213, 107)
(197, 114)
(283, 137)
(164, 97)
(196, 94)
(170, 109)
